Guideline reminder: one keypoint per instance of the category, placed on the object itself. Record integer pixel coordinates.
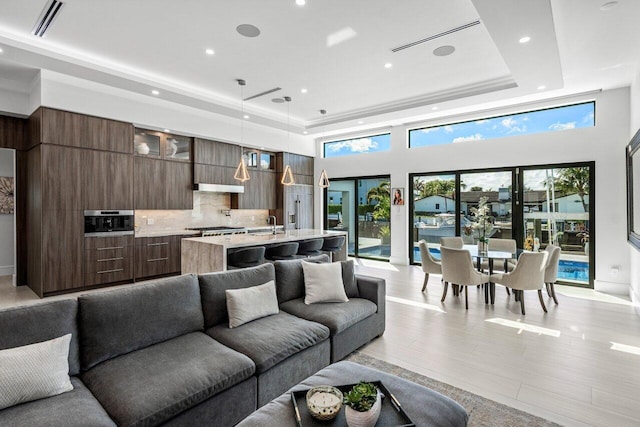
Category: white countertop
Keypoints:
(249, 239)
(187, 233)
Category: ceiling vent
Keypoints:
(258, 95)
(435, 36)
(47, 16)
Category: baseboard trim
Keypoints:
(7, 270)
(398, 260)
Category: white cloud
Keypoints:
(448, 129)
(361, 145)
(429, 130)
(563, 126)
(481, 122)
(474, 137)
(512, 124)
(588, 118)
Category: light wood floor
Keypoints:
(559, 365)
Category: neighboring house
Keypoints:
(435, 204)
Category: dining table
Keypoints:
(490, 256)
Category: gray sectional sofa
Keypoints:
(162, 352)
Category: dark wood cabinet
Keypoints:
(79, 130)
(61, 251)
(61, 178)
(216, 153)
(148, 184)
(157, 256)
(259, 192)
(13, 132)
(178, 185)
(108, 260)
(106, 180)
(209, 174)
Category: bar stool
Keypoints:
(310, 247)
(332, 245)
(282, 251)
(247, 257)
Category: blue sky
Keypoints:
(368, 144)
(563, 118)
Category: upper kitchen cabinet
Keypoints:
(58, 127)
(216, 153)
(106, 180)
(148, 183)
(178, 185)
(160, 145)
(259, 192)
(301, 166)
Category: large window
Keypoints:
(368, 144)
(548, 120)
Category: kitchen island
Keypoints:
(207, 254)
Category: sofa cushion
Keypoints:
(151, 385)
(349, 278)
(76, 408)
(245, 305)
(323, 283)
(214, 285)
(270, 340)
(41, 322)
(34, 371)
(290, 279)
(123, 320)
(336, 316)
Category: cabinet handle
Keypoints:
(157, 259)
(112, 247)
(110, 259)
(111, 271)
(157, 244)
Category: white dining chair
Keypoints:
(457, 269)
(429, 263)
(454, 242)
(551, 270)
(504, 245)
(528, 275)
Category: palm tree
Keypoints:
(382, 195)
(574, 181)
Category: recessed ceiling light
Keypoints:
(608, 6)
(209, 52)
(167, 130)
(248, 30)
(444, 50)
(301, 2)
(305, 132)
(303, 90)
(388, 65)
(360, 122)
(525, 39)
(277, 100)
(434, 108)
(262, 148)
(246, 117)
(542, 87)
(1, 50)
(155, 92)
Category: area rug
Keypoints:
(482, 412)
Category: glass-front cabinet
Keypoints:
(162, 145)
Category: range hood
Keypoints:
(219, 188)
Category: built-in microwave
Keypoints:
(108, 223)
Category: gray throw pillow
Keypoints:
(349, 278)
(34, 371)
(247, 304)
(323, 283)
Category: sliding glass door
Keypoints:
(534, 205)
(362, 207)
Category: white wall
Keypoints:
(603, 144)
(7, 221)
(634, 254)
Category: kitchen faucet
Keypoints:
(274, 222)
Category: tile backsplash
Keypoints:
(209, 209)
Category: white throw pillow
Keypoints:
(247, 304)
(323, 282)
(34, 371)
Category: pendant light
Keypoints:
(242, 174)
(287, 175)
(324, 179)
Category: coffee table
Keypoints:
(424, 406)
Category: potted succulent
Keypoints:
(362, 405)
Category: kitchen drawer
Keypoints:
(157, 256)
(103, 243)
(108, 259)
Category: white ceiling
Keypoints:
(145, 44)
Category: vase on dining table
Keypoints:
(483, 246)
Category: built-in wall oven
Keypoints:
(108, 223)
